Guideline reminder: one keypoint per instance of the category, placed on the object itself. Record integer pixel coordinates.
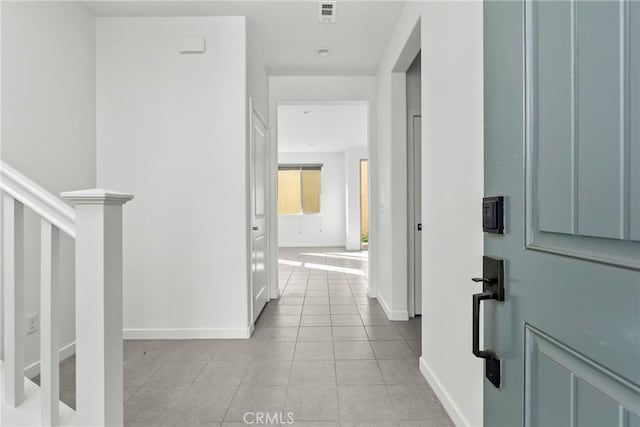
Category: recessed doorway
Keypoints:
(414, 186)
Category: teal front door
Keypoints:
(562, 145)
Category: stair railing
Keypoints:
(95, 222)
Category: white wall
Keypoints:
(353, 229)
(49, 126)
(392, 184)
(452, 174)
(452, 153)
(328, 227)
(257, 78)
(284, 89)
(172, 131)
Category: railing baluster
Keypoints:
(49, 303)
(13, 279)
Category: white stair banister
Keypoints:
(36, 198)
(49, 321)
(99, 352)
(96, 226)
(13, 280)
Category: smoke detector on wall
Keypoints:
(327, 11)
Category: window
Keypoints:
(298, 189)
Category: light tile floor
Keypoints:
(324, 352)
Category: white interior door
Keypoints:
(414, 167)
(259, 159)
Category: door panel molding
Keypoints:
(589, 386)
(581, 195)
(584, 299)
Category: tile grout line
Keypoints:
(233, 398)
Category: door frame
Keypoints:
(253, 110)
(273, 244)
(396, 302)
(411, 218)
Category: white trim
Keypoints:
(372, 293)
(399, 315)
(96, 196)
(313, 243)
(258, 115)
(322, 102)
(65, 352)
(187, 333)
(36, 198)
(447, 401)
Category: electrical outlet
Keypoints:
(32, 323)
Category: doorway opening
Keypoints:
(320, 148)
(398, 294)
(414, 186)
(364, 204)
(322, 198)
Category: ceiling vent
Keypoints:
(327, 11)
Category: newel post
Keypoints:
(99, 366)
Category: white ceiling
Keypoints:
(286, 34)
(325, 127)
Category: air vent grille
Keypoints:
(327, 11)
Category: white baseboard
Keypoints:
(447, 402)
(65, 352)
(312, 244)
(186, 334)
(372, 293)
(392, 314)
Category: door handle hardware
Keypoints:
(491, 360)
(492, 289)
(420, 226)
(483, 280)
(254, 228)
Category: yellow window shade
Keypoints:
(289, 192)
(310, 191)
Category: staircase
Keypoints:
(95, 222)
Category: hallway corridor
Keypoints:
(323, 352)
(351, 364)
